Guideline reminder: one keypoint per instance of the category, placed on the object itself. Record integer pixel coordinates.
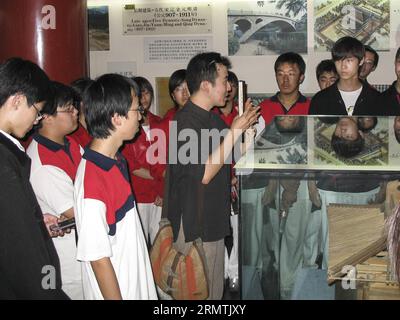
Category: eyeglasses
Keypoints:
(39, 115)
(69, 109)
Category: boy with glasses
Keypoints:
(111, 245)
(55, 159)
(27, 252)
(39, 114)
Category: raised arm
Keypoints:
(217, 159)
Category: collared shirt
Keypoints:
(53, 172)
(15, 141)
(52, 177)
(273, 107)
(227, 118)
(108, 226)
(50, 153)
(116, 180)
(203, 208)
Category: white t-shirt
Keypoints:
(350, 99)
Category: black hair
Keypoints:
(80, 85)
(348, 47)
(61, 96)
(176, 79)
(18, 76)
(292, 58)
(376, 55)
(108, 95)
(232, 78)
(144, 84)
(365, 129)
(325, 66)
(347, 148)
(203, 67)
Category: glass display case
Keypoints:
(313, 201)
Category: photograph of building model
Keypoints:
(366, 20)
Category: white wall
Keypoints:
(257, 71)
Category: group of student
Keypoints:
(73, 167)
(87, 158)
(56, 180)
(345, 91)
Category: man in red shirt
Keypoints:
(289, 74)
(271, 255)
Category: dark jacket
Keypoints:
(28, 258)
(390, 101)
(330, 102)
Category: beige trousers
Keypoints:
(215, 256)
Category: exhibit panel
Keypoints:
(313, 203)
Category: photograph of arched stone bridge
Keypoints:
(267, 27)
(366, 20)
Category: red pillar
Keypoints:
(52, 33)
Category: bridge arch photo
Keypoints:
(267, 29)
